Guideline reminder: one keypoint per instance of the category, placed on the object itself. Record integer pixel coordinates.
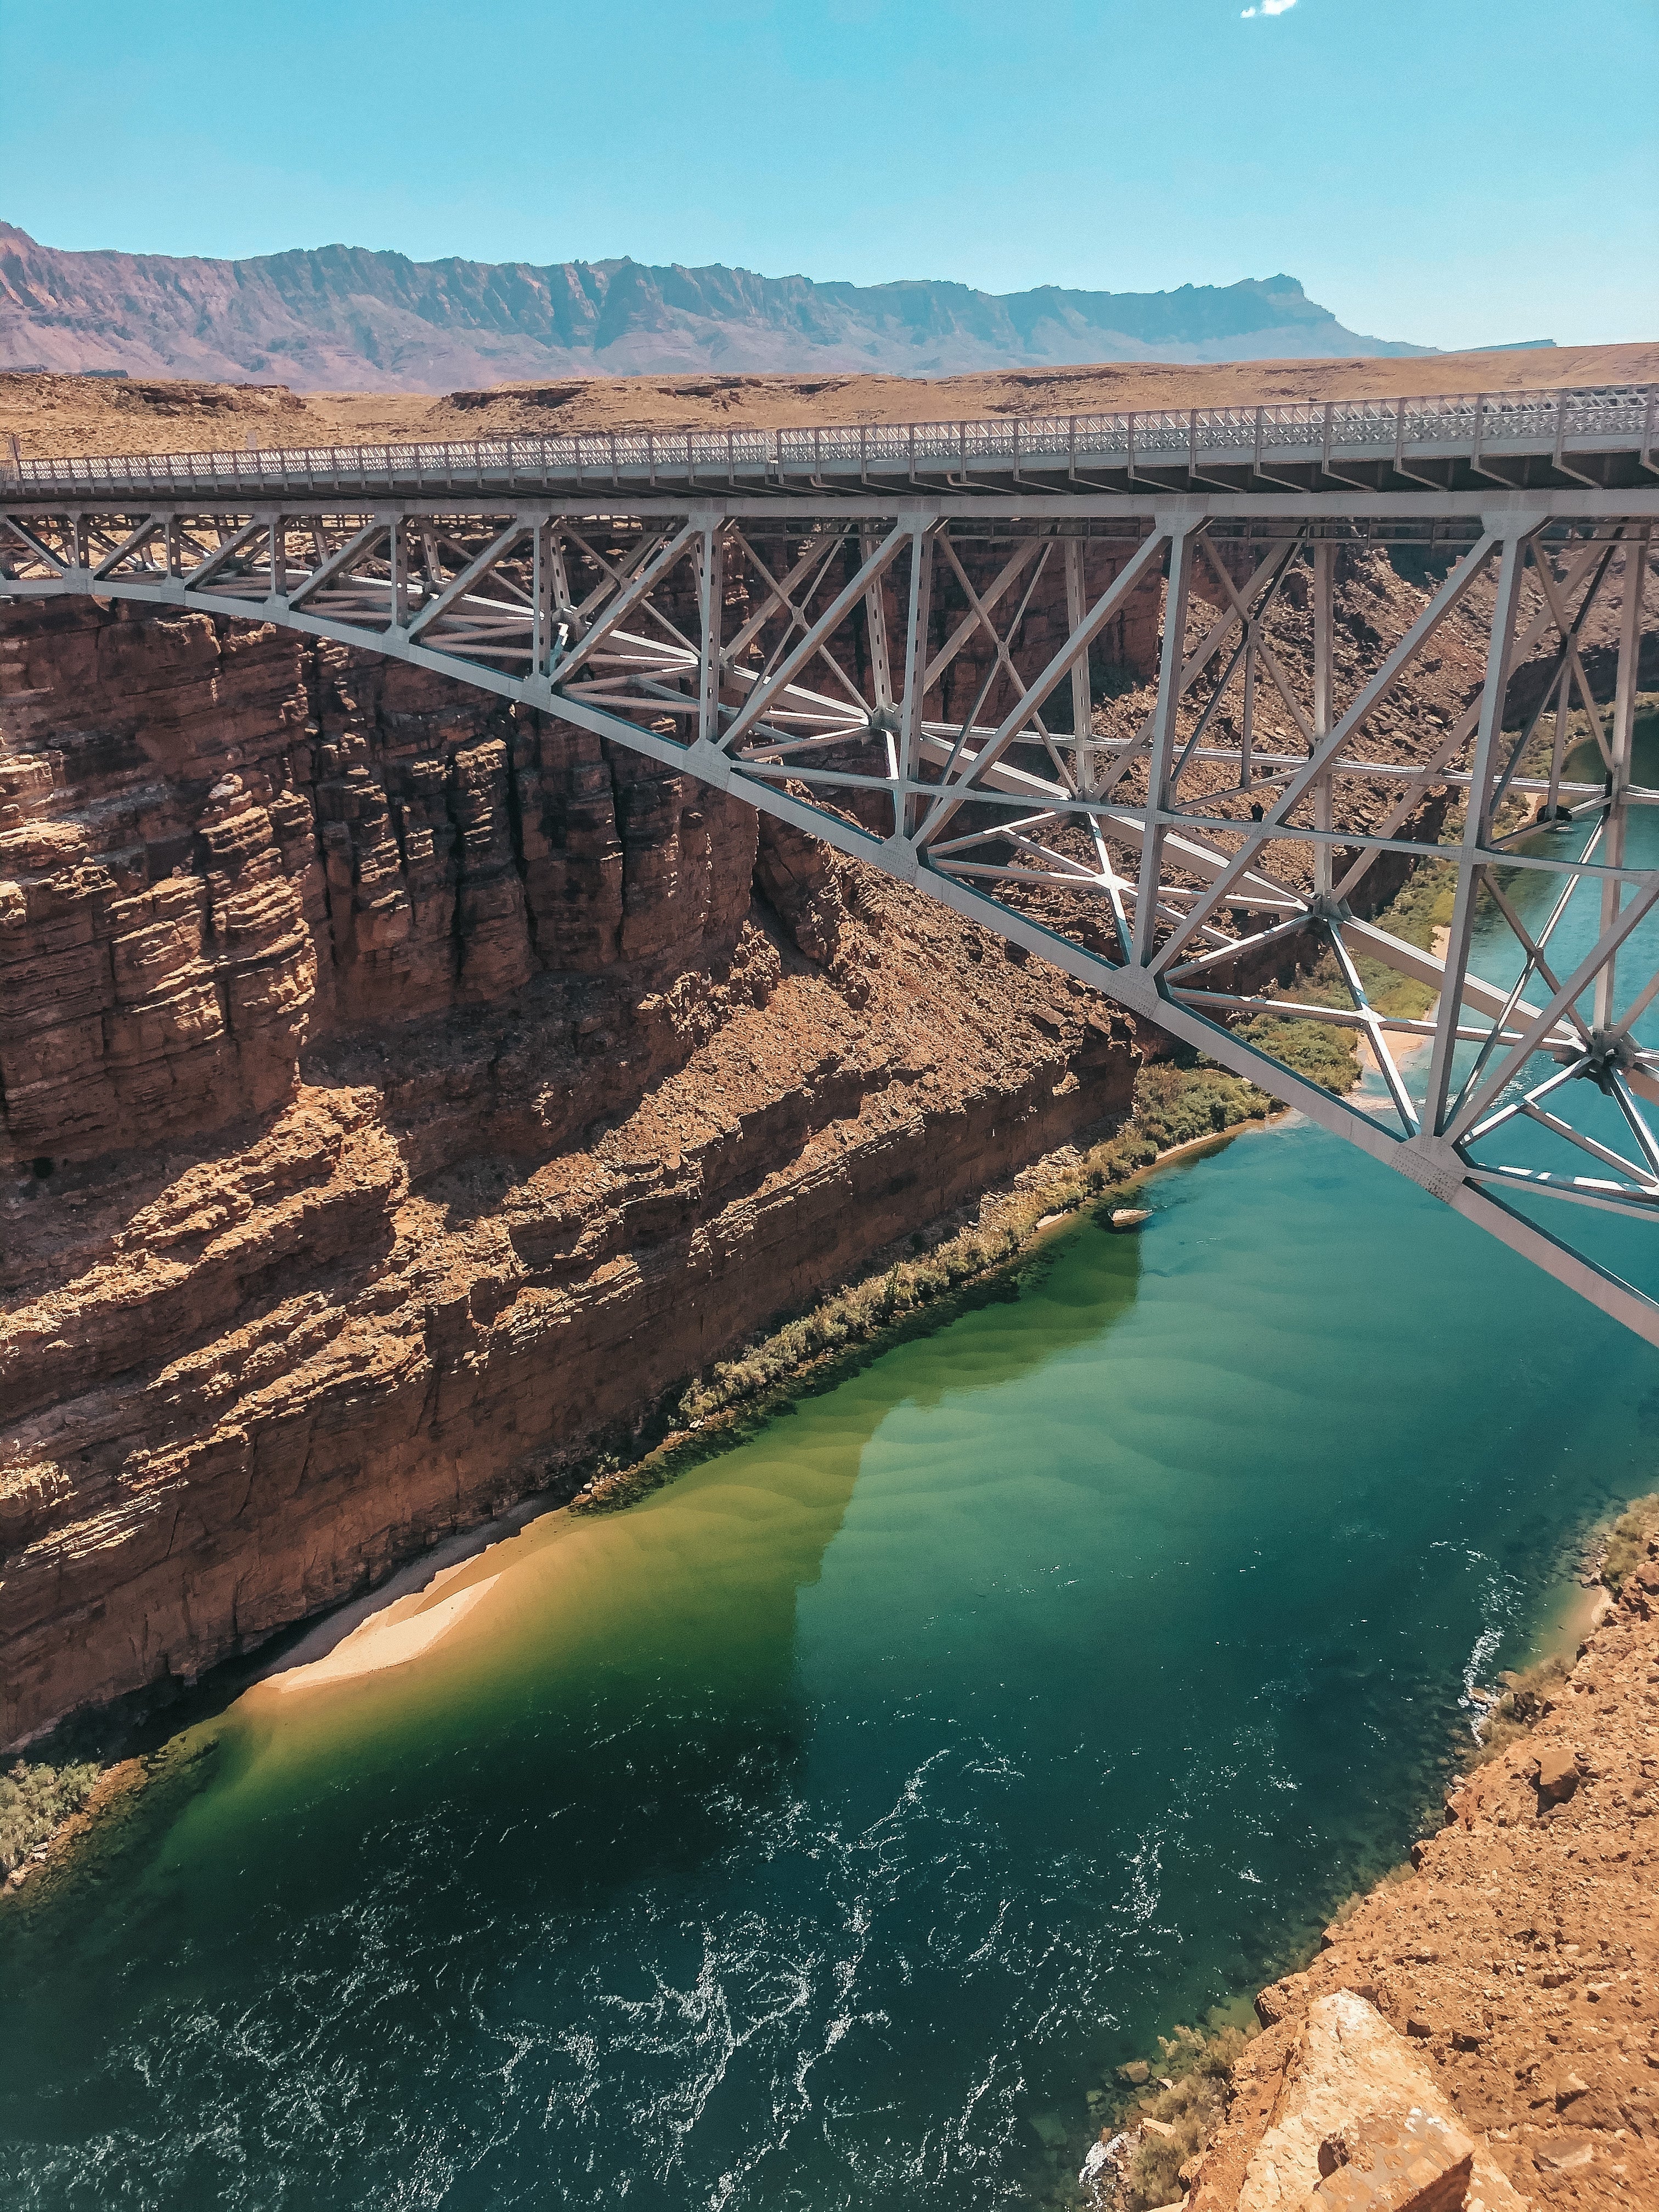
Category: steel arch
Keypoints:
(801, 626)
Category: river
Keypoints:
(816, 1833)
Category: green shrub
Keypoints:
(1198, 2068)
(1176, 1105)
(1423, 904)
(1627, 1546)
(1517, 1711)
(36, 1800)
(1324, 1055)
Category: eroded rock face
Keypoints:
(397, 1092)
(219, 844)
(134, 1001)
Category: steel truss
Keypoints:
(860, 663)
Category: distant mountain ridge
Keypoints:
(341, 317)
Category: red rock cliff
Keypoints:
(396, 1091)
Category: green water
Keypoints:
(814, 1834)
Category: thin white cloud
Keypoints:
(1270, 8)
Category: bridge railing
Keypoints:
(1623, 414)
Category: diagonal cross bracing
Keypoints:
(840, 654)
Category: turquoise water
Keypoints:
(813, 1834)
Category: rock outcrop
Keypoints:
(1357, 2124)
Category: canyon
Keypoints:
(401, 1093)
(396, 1094)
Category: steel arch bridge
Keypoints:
(837, 626)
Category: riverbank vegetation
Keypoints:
(1178, 1100)
(1174, 1106)
(36, 1801)
(1627, 1540)
(1525, 1694)
(1188, 2099)
(1178, 1103)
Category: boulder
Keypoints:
(1566, 2155)
(1359, 2123)
(1491, 2189)
(1419, 2162)
(1105, 2170)
(1278, 2000)
(1558, 1773)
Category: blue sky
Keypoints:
(1456, 172)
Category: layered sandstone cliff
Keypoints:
(397, 1092)
(350, 315)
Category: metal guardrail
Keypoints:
(1620, 415)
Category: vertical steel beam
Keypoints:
(711, 611)
(918, 613)
(1324, 553)
(1494, 689)
(1558, 746)
(432, 568)
(875, 618)
(541, 599)
(563, 606)
(1083, 705)
(398, 555)
(1624, 730)
(278, 559)
(1162, 751)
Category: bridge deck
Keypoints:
(1603, 437)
